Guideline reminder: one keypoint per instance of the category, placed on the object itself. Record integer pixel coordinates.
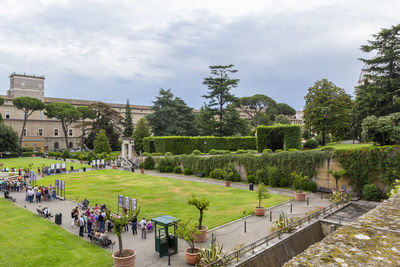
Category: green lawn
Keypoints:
(37, 162)
(162, 196)
(28, 240)
(339, 146)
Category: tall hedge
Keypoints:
(186, 144)
(278, 137)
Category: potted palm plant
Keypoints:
(299, 179)
(337, 175)
(261, 193)
(141, 167)
(122, 257)
(201, 205)
(187, 230)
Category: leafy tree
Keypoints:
(141, 131)
(200, 204)
(285, 109)
(128, 120)
(101, 143)
(255, 106)
(262, 193)
(383, 130)
(378, 93)
(64, 112)
(86, 113)
(108, 119)
(171, 116)
(28, 105)
(2, 100)
(327, 110)
(337, 175)
(282, 119)
(221, 118)
(8, 138)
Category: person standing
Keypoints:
(143, 227)
(134, 226)
(81, 225)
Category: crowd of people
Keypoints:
(13, 184)
(40, 193)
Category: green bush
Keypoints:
(157, 154)
(278, 137)
(141, 165)
(177, 170)
(149, 163)
(371, 192)
(196, 152)
(274, 176)
(146, 154)
(266, 151)
(65, 154)
(212, 152)
(262, 177)
(187, 171)
(311, 144)
(216, 173)
(240, 151)
(283, 182)
(328, 148)
(27, 154)
(186, 144)
(164, 165)
(168, 154)
(91, 155)
(236, 177)
(312, 186)
(251, 179)
(278, 150)
(227, 152)
(304, 186)
(168, 169)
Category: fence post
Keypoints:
(307, 201)
(291, 208)
(321, 195)
(270, 215)
(245, 226)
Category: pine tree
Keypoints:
(101, 143)
(141, 131)
(128, 120)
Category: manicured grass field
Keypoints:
(162, 196)
(346, 146)
(37, 162)
(28, 240)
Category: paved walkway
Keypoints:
(231, 235)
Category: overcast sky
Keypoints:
(114, 50)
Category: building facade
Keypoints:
(43, 133)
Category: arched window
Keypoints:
(56, 145)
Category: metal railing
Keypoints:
(235, 256)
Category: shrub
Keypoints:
(283, 182)
(299, 180)
(371, 192)
(168, 154)
(187, 171)
(145, 154)
(157, 154)
(177, 170)
(149, 163)
(311, 186)
(216, 173)
(91, 155)
(262, 176)
(278, 137)
(311, 144)
(266, 151)
(278, 150)
(251, 179)
(141, 165)
(236, 177)
(168, 169)
(227, 152)
(164, 165)
(274, 176)
(328, 148)
(292, 149)
(240, 151)
(304, 185)
(196, 152)
(212, 152)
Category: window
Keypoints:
(55, 133)
(70, 132)
(8, 115)
(40, 85)
(56, 145)
(71, 145)
(40, 132)
(40, 115)
(22, 115)
(24, 133)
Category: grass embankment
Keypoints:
(28, 240)
(162, 196)
(37, 162)
(340, 146)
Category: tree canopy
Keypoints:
(101, 143)
(28, 105)
(128, 123)
(285, 109)
(328, 110)
(66, 113)
(141, 131)
(254, 106)
(384, 130)
(171, 115)
(8, 138)
(379, 90)
(86, 113)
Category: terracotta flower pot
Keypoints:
(202, 236)
(299, 196)
(192, 258)
(259, 211)
(124, 261)
(227, 183)
(141, 171)
(114, 167)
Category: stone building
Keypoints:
(43, 133)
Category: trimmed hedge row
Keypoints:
(278, 137)
(186, 144)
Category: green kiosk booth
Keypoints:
(165, 234)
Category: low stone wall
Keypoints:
(373, 240)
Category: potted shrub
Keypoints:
(227, 174)
(299, 179)
(122, 257)
(201, 205)
(187, 231)
(212, 253)
(262, 193)
(141, 167)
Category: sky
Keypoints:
(116, 50)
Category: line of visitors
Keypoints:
(41, 193)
